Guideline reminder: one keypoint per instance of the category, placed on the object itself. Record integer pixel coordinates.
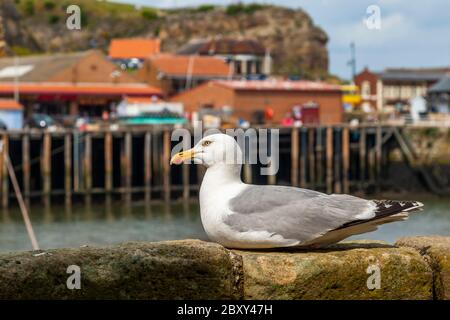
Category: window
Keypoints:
(258, 67)
(365, 89)
(237, 67)
(249, 67)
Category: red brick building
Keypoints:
(72, 83)
(174, 74)
(248, 97)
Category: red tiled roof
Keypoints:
(133, 48)
(8, 104)
(278, 85)
(196, 65)
(81, 89)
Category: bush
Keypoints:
(21, 51)
(252, 7)
(49, 5)
(29, 7)
(205, 8)
(53, 19)
(238, 8)
(149, 14)
(234, 9)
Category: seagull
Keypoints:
(246, 216)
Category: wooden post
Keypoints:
(128, 165)
(362, 156)
(186, 191)
(329, 157)
(68, 168)
(26, 166)
(108, 142)
(4, 169)
(166, 165)
(272, 177)
(88, 166)
(46, 167)
(303, 150)
(247, 172)
(311, 161)
(148, 166)
(294, 157)
(319, 155)
(378, 142)
(345, 158)
(337, 162)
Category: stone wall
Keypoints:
(415, 268)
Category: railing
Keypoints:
(134, 162)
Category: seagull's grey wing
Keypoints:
(294, 213)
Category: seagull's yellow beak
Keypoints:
(180, 157)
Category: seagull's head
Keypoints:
(211, 150)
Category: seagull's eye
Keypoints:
(206, 143)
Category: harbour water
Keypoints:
(106, 224)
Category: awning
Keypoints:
(81, 89)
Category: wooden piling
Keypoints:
(186, 189)
(319, 155)
(337, 161)
(108, 143)
(329, 159)
(311, 158)
(303, 150)
(294, 157)
(46, 167)
(26, 167)
(68, 168)
(128, 165)
(166, 165)
(148, 166)
(4, 169)
(378, 150)
(362, 156)
(87, 164)
(345, 159)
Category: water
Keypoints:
(101, 224)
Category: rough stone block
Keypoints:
(188, 269)
(436, 250)
(340, 272)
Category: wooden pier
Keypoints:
(134, 163)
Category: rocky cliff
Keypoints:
(298, 46)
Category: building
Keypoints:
(130, 53)
(394, 88)
(73, 83)
(174, 74)
(11, 114)
(249, 98)
(438, 96)
(247, 58)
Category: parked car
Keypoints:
(41, 121)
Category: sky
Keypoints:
(410, 33)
